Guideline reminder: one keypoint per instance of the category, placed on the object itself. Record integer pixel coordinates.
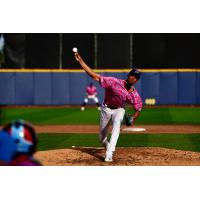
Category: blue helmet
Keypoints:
(24, 136)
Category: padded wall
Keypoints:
(60, 88)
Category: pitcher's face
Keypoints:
(131, 80)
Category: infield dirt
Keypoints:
(141, 156)
(95, 128)
(123, 157)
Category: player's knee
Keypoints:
(116, 126)
(117, 122)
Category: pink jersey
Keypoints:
(116, 94)
(91, 90)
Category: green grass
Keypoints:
(189, 142)
(51, 115)
(170, 115)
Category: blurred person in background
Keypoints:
(7, 148)
(24, 137)
(91, 93)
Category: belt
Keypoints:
(111, 107)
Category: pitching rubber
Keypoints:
(134, 129)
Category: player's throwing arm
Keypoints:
(90, 72)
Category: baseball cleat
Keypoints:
(109, 157)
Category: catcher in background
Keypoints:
(91, 93)
(118, 93)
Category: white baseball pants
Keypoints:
(107, 116)
(93, 97)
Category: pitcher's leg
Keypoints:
(116, 119)
(105, 119)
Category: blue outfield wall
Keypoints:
(61, 88)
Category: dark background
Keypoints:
(111, 50)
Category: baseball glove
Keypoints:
(128, 119)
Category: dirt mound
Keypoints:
(123, 157)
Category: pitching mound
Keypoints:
(123, 157)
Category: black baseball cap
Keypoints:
(134, 72)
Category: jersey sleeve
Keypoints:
(136, 101)
(107, 82)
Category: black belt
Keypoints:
(111, 107)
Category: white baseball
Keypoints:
(75, 50)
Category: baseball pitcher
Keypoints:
(118, 93)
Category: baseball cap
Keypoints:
(134, 72)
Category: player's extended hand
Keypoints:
(77, 57)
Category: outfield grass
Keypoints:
(189, 142)
(184, 115)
